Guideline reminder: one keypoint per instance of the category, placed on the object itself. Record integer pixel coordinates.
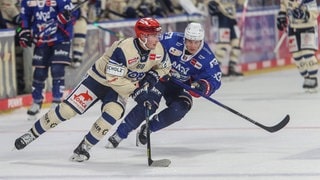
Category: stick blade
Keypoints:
(160, 163)
(280, 125)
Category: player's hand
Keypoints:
(282, 21)
(202, 86)
(213, 8)
(64, 17)
(151, 78)
(24, 36)
(140, 95)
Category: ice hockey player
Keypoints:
(193, 63)
(223, 14)
(80, 33)
(49, 25)
(128, 67)
(300, 16)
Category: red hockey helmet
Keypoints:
(147, 26)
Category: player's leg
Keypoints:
(112, 110)
(134, 118)
(81, 99)
(178, 102)
(303, 44)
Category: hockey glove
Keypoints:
(24, 36)
(64, 17)
(213, 8)
(202, 86)
(151, 78)
(282, 20)
(298, 13)
(165, 78)
(140, 95)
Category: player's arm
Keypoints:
(208, 80)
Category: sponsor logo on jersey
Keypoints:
(224, 35)
(175, 51)
(115, 70)
(201, 57)
(133, 60)
(82, 98)
(51, 3)
(180, 68)
(152, 57)
(61, 53)
(158, 56)
(196, 63)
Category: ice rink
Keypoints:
(209, 143)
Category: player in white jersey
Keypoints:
(223, 14)
(79, 34)
(301, 18)
(124, 70)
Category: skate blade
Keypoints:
(78, 158)
(311, 91)
(109, 146)
(32, 117)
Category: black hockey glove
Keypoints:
(298, 13)
(140, 95)
(213, 8)
(282, 20)
(151, 78)
(202, 86)
(24, 36)
(64, 17)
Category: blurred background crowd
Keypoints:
(94, 11)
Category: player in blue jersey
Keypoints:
(49, 25)
(193, 63)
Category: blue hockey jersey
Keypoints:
(186, 68)
(40, 16)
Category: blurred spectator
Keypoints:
(223, 15)
(52, 35)
(2, 22)
(299, 21)
(80, 31)
(10, 10)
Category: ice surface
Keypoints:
(209, 143)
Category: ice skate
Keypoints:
(33, 111)
(232, 72)
(114, 141)
(81, 153)
(310, 84)
(76, 63)
(141, 137)
(24, 140)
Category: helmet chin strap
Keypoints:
(144, 43)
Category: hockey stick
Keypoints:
(116, 34)
(78, 5)
(154, 163)
(243, 20)
(271, 129)
(283, 36)
(2, 79)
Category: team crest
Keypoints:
(175, 51)
(196, 63)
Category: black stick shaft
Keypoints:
(271, 129)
